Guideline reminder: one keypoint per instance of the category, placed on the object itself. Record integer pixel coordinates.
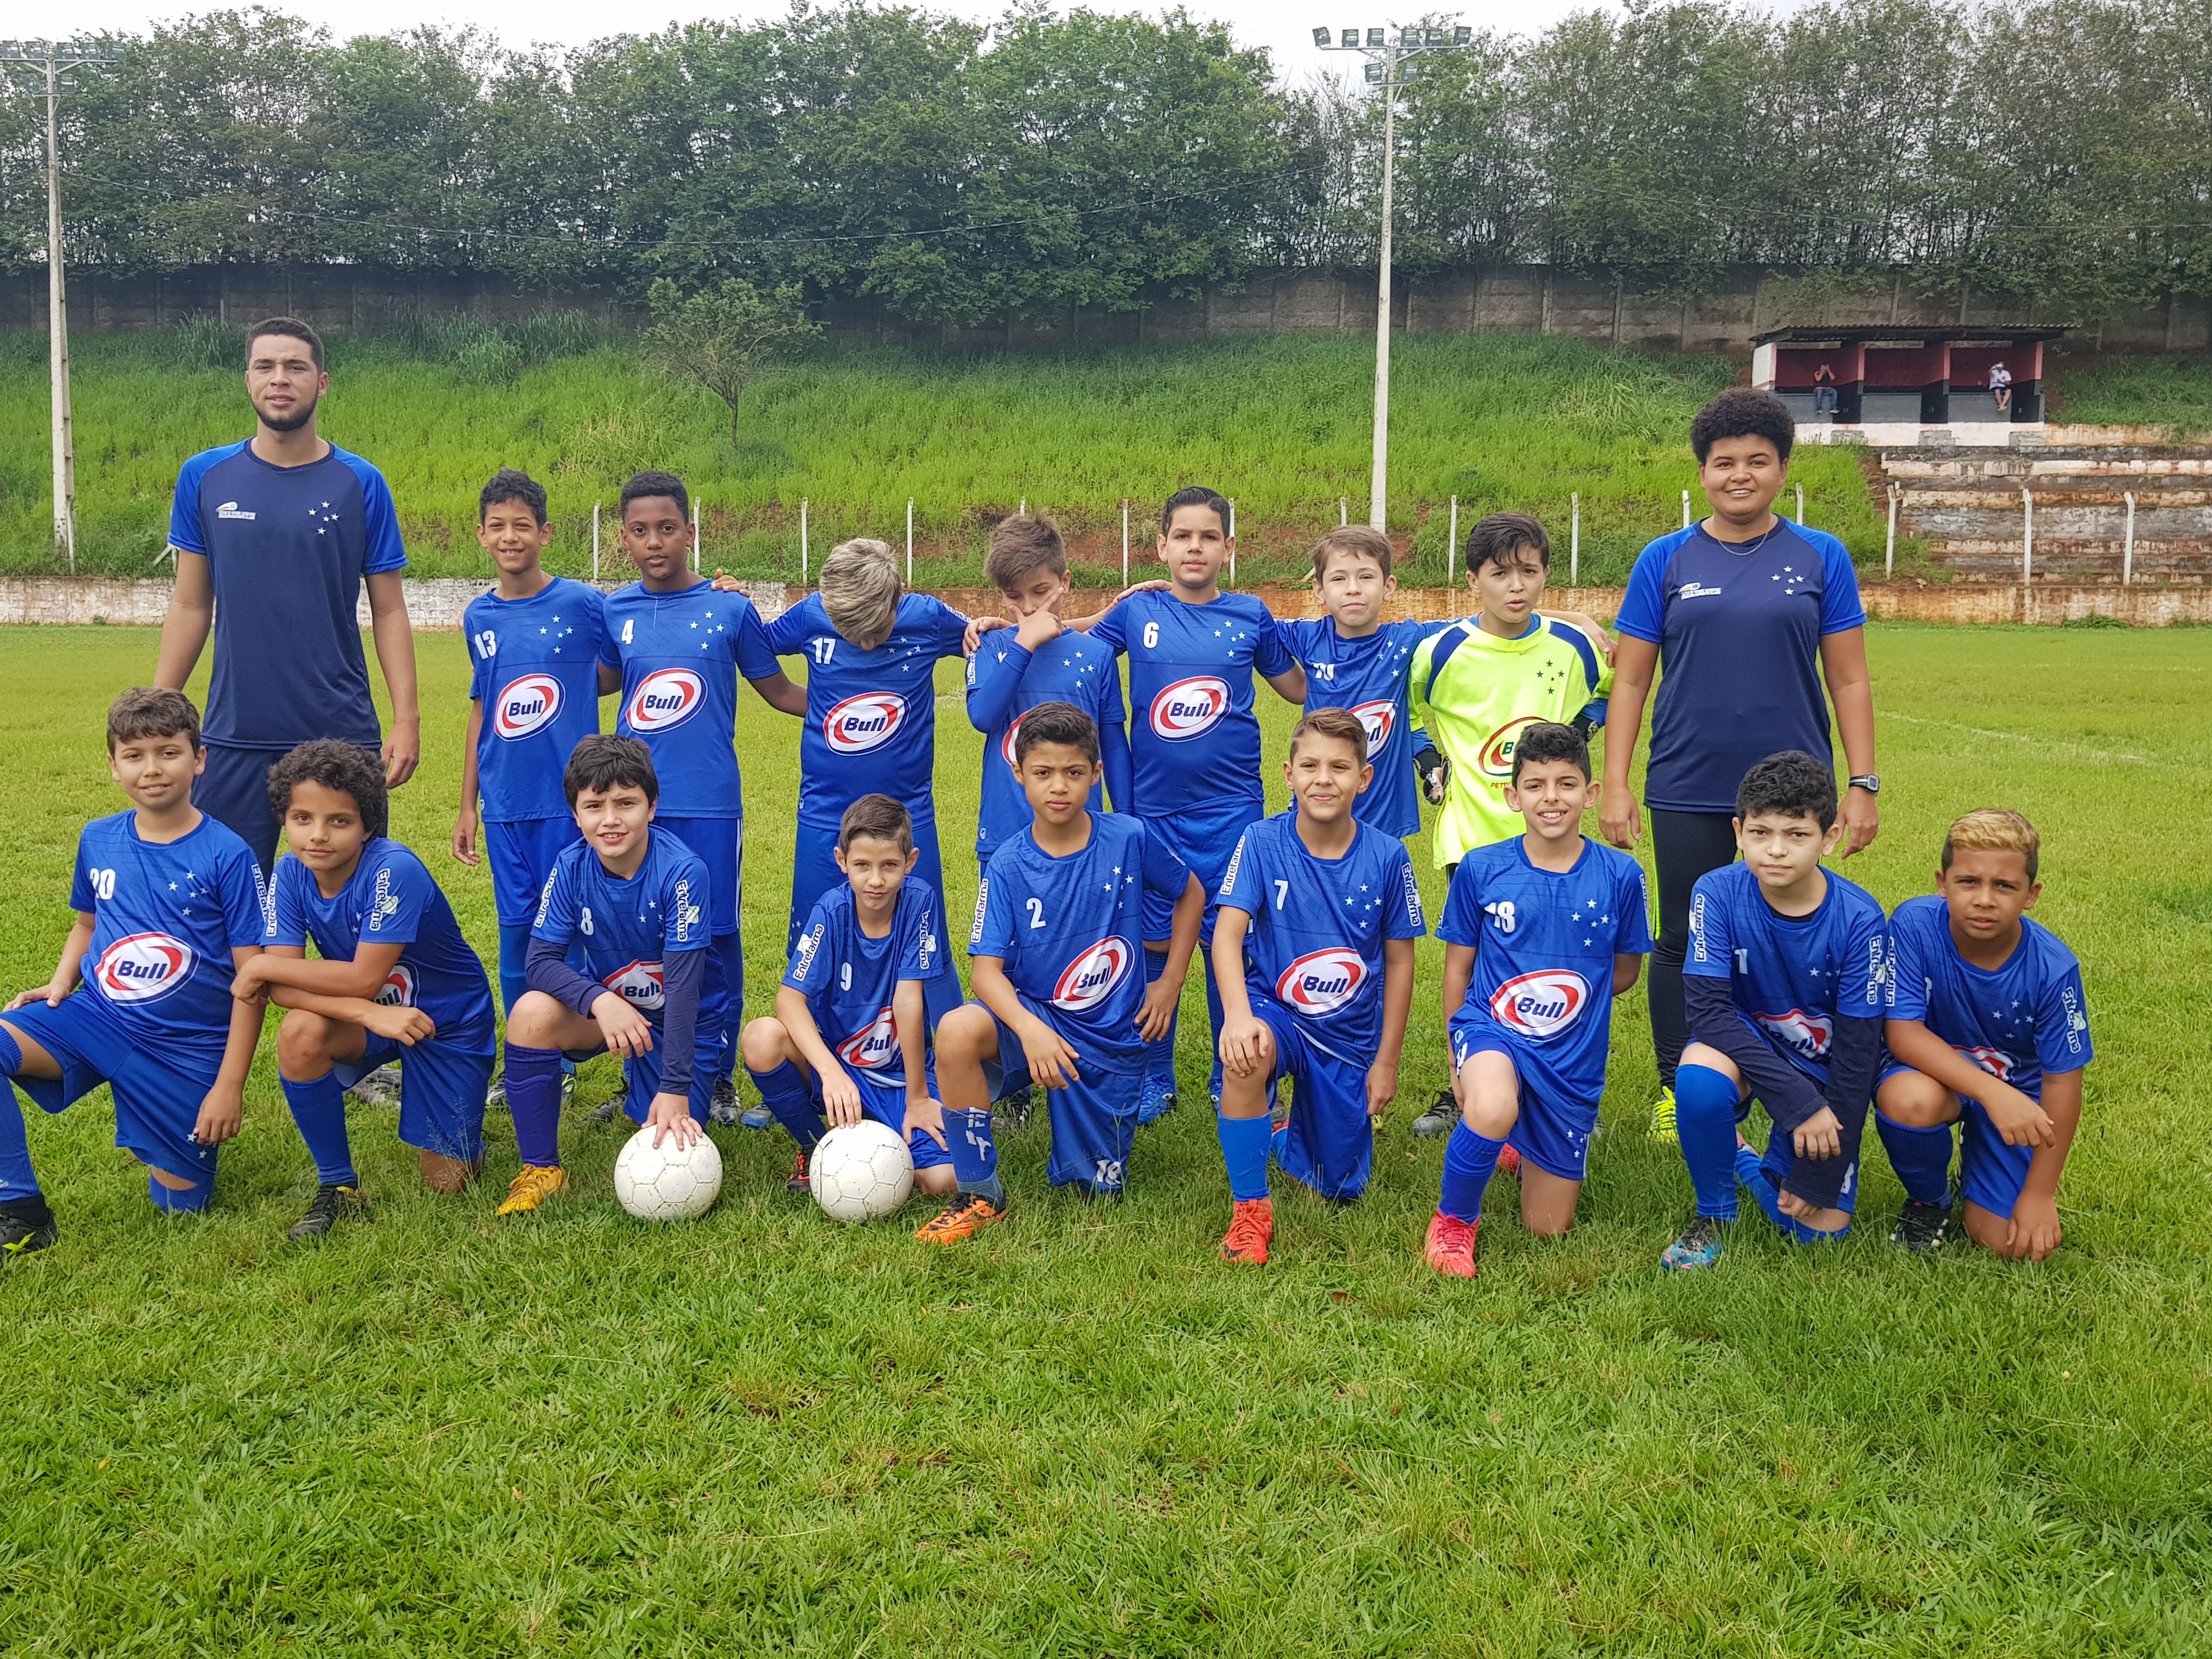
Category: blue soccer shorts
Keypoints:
(1205, 837)
(1551, 1134)
(886, 1104)
(720, 845)
(442, 1083)
(157, 1090)
(1991, 1174)
(522, 856)
(1329, 1141)
(1094, 1119)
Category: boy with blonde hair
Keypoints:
(1988, 1028)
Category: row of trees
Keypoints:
(2056, 151)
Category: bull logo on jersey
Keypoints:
(397, 990)
(1321, 981)
(867, 721)
(1541, 1003)
(640, 985)
(1496, 760)
(1381, 720)
(1806, 1035)
(664, 698)
(525, 706)
(1190, 707)
(1007, 747)
(142, 968)
(1995, 1061)
(873, 1048)
(1093, 976)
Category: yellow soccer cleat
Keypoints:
(537, 1183)
(1663, 1118)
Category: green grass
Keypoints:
(2174, 392)
(442, 1434)
(1281, 423)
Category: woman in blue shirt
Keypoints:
(1748, 613)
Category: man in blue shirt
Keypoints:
(275, 538)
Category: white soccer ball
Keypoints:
(860, 1172)
(667, 1182)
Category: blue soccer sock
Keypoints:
(1246, 1143)
(17, 1178)
(785, 1092)
(533, 1099)
(514, 957)
(188, 1200)
(319, 1107)
(1704, 1118)
(975, 1154)
(731, 947)
(1470, 1160)
(1160, 1056)
(1751, 1171)
(1922, 1159)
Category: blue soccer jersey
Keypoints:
(1791, 976)
(1069, 929)
(871, 715)
(626, 927)
(1367, 675)
(681, 655)
(390, 898)
(286, 549)
(1318, 928)
(166, 917)
(1005, 682)
(534, 665)
(848, 980)
(1194, 738)
(2016, 1023)
(1545, 943)
(1739, 628)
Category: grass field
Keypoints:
(441, 1434)
(1279, 423)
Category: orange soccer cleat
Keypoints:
(968, 1214)
(1450, 1247)
(1251, 1229)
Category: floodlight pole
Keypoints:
(50, 61)
(1386, 72)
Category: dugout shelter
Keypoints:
(1906, 385)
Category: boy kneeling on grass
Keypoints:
(1313, 949)
(638, 903)
(1060, 986)
(850, 1035)
(1988, 1030)
(395, 977)
(168, 903)
(1785, 983)
(1542, 933)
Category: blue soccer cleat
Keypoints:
(1159, 1100)
(1699, 1246)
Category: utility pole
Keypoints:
(1390, 66)
(51, 63)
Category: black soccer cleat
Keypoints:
(722, 1105)
(25, 1225)
(331, 1203)
(1439, 1118)
(1921, 1227)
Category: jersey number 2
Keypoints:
(1036, 912)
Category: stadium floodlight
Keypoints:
(49, 61)
(1390, 66)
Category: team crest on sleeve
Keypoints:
(142, 968)
(874, 1047)
(863, 722)
(1092, 976)
(1806, 1035)
(1190, 708)
(397, 990)
(1380, 719)
(665, 697)
(1321, 981)
(1541, 1003)
(526, 705)
(640, 985)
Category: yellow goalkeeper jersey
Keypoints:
(1473, 692)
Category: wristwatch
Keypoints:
(1867, 780)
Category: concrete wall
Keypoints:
(437, 605)
(1532, 299)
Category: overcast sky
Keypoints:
(1283, 25)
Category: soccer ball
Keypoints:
(860, 1172)
(667, 1182)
